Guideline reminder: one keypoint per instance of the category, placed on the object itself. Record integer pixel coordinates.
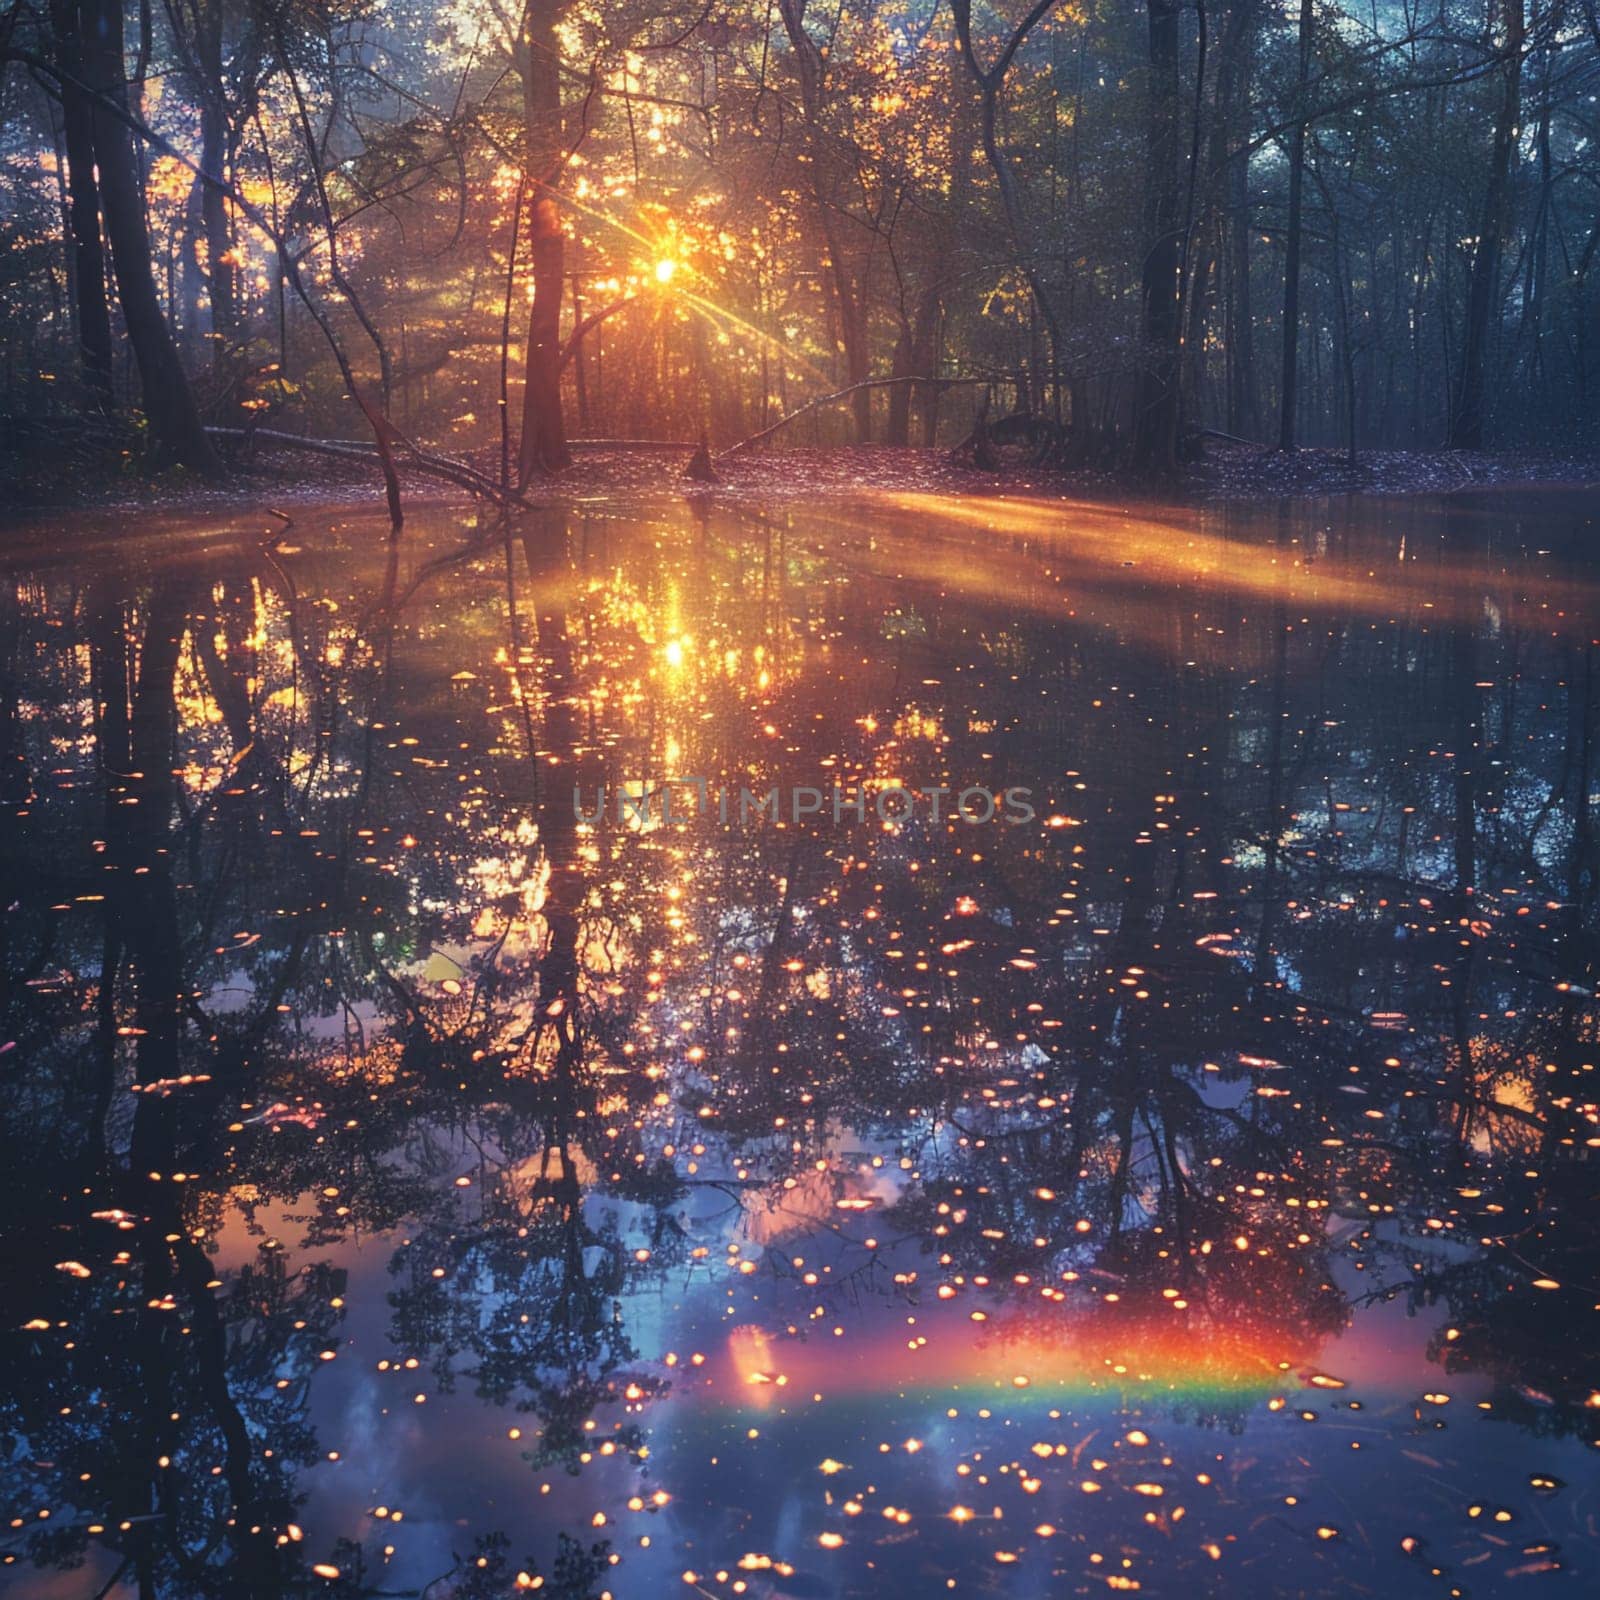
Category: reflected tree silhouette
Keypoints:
(1283, 1008)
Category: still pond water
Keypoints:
(409, 1187)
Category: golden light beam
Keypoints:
(1090, 541)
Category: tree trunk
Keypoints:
(1291, 251)
(1483, 286)
(925, 359)
(1155, 422)
(93, 315)
(1533, 296)
(849, 287)
(580, 358)
(544, 435)
(853, 330)
(1233, 95)
(168, 400)
(1340, 271)
(899, 429)
(1244, 411)
(849, 301)
(221, 273)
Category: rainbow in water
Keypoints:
(1128, 1358)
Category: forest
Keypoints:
(466, 235)
(524, 527)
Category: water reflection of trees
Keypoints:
(1301, 969)
(1235, 1033)
(250, 982)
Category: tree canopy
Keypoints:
(481, 229)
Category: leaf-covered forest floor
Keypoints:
(38, 482)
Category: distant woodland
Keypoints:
(481, 230)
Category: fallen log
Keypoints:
(842, 394)
(427, 462)
(631, 444)
(1229, 438)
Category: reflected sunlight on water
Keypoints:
(409, 1184)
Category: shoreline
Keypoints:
(1226, 473)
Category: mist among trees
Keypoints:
(466, 233)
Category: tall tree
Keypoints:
(1289, 372)
(198, 30)
(991, 82)
(544, 436)
(844, 274)
(168, 400)
(1233, 110)
(91, 313)
(1156, 402)
(1483, 286)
